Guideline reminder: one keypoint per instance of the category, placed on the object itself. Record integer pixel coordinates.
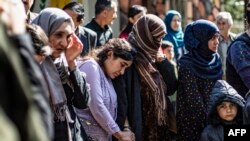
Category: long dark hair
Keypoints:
(121, 48)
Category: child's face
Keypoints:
(169, 52)
(227, 110)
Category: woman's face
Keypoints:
(60, 39)
(176, 23)
(114, 67)
(214, 42)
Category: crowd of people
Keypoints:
(63, 79)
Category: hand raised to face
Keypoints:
(73, 50)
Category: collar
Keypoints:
(231, 37)
(98, 27)
(79, 30)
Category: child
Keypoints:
(168, 50)
(224, 108)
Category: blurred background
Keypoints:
(190, 10)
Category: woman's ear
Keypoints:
(110, 54)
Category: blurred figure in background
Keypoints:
(160, 8)
(168, 50)
(175, 34)
(134, 13)
(24, 101)
(27, 5)
(170, 71)
(87, 36)
(123, 7)
(238, 60)
(224, 22)
(105, 14)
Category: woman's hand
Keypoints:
(74, 49)
(125, 135)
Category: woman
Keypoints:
(134, 13)
(175, 35)
(142, 92)
(66, 84)
(198, 71)
(105, 64)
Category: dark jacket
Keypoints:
(77, 95)
(103, 34)
(246, 110)
(221, 91)
(128, 89)
(88, 37)
(18, 103)
(238, 64)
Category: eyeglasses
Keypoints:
(221, 23)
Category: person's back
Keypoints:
(238, 60)
(224, 109)
(237, 64)
(105, 14)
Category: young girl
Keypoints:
(225, 108)
(107, 63)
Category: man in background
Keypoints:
(87, 36)
(27, 5)
(105, 14)
(224, 22)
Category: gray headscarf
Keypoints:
(50, 19)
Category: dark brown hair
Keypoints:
(40, 40)
(121, 48)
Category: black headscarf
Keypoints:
(204, 62)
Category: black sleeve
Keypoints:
(246, 111)
(81, 90)
(169, 73)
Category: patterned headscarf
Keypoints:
(146, 37)
(204, 62)
(50, 19)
